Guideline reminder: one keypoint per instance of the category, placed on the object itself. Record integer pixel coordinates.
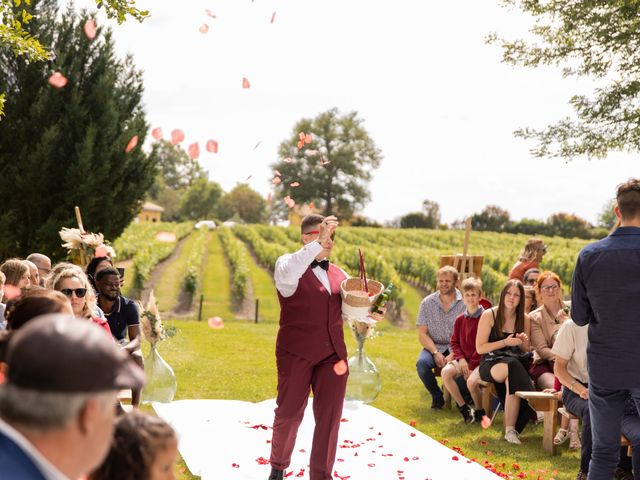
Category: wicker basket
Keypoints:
(354, 304)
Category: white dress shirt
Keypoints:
(47, 469)
(291, 266)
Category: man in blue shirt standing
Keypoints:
(606, 296)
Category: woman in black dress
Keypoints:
(503, 342)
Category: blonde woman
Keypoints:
(73, 283)
(530, 257)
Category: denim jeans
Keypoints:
(631, 430)
(606, 408)
(580, 408)
(425, 366)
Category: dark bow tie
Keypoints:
(324, 264)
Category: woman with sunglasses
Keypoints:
(73, 283)
(530, 257)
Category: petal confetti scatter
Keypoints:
(58, 80)
(257, 144)
(289, 201)
(11, 291)
(340, 368)
(212, 146)
(132, 144)
(216, 322)
(294, 184)
(209, 13)
(156, 133)
(204, 28)
(177, 136)
(245, 82)
(275, 180)
(288, 160)
(273, 17)
(90, 29)
(277, 173)
(194, 151)
(308, 138)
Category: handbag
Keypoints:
(524, 358)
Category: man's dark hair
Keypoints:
(628, 198)
(310, 221)
(107, 271)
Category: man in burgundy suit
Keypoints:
(310, 349)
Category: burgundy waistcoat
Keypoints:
(311, 319)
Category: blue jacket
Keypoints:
(605, 294)
(15, 464)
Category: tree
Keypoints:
(595, 39)
(66, 147)
(492, 218)
(568, 226)
(432, 210)
(244, 202)
(15, 15)
(200, 200)
(529, 226)
(416, 220)
(607, 218)
(333, 168)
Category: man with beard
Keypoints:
(123, 318)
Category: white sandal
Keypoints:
(575, 443)
(561, 437)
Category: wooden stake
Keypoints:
(79, 219)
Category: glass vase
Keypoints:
(161, 383)
(364, 380)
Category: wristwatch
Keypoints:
(434, 352)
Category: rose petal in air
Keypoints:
(204, 28)
(294, 184)
(485, 422)
(245, 82)
(276, 180)
(308, 138)
(277, 173)
(340, 368)
(57, 80)
(212, 146)
(90, 29)
(101, 251)
(216, 322)
(273, 17)
(209, 13)
(288, 160)
(132, 144)
(11, 291)
(194, 151)
(301, 136)
(177, 136)
(257, 144)
(156, 133)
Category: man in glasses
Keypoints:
(531, 277)
(123, 317)
(310, 349)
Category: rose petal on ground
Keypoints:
(58, 80)
(132, 144)
(11, 291)
(215, 322)
(90, 29)
(273, 17)
(194, 150)
(204, 28)
(294, 184)
(276, 180)
(156, 133)
(177, 136)
(245, 82)
(212, 146)
(340, 368)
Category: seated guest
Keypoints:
(122, 315)
(95, 265)
(33, 303)
(503, 342)
(56, 404)
(531, 277)
(435, 320)
(34, 274)
(545, 323)
(143, 447)
(43, 263)
(631, 430)
(3, 323)
(16, 273)
(530, 257)
(463, 345)
(530, 301)
(75, 286)
(57, 268)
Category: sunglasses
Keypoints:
(80, 292)
(317, 232)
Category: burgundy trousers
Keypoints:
(296, 378)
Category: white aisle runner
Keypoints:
(229, 440)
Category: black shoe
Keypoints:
(478, 414)
(466, 413)
(437, 403)
(622, 474)
(276, 474)
(582, 475)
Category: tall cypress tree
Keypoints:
(65, 147)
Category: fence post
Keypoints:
(255, 320)
(200, 308)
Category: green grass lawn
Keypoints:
(238, 362)
(168, 286)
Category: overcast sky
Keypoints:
(433, 96)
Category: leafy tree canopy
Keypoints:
(243, 202)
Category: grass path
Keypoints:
(215, 283)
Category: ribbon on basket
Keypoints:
(363, 272)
